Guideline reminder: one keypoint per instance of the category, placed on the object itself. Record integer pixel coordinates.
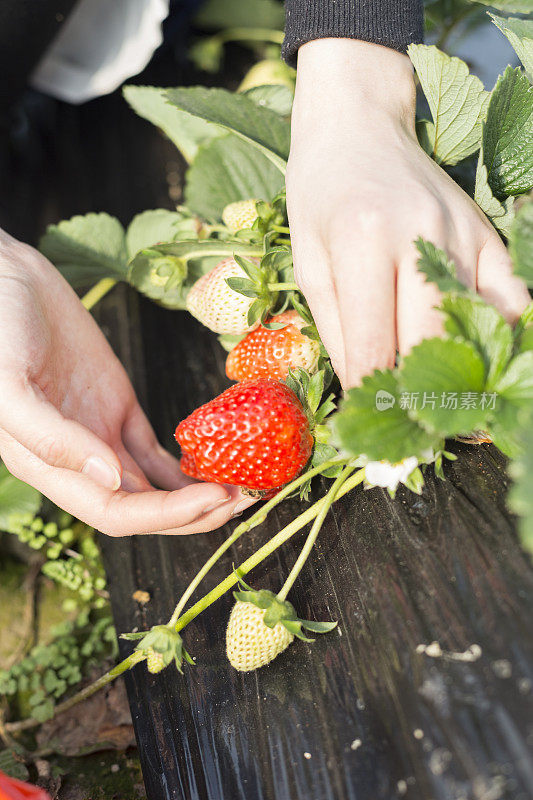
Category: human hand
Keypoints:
(70, 424)
(360, 190)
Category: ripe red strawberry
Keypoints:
(216, 305)
(255, 435)
(266, 353)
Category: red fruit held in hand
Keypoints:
(255, 435)
(266, 353)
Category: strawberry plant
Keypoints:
(226, 257)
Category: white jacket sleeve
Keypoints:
(100, 45)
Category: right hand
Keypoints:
(70, 423)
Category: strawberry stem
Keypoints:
(259, 556)
(88, 691)
(328, 501)
(99, 290)
(283, 287)
(245, 526)
(263, 552)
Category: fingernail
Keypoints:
(216, 505)
(102, 473)
(242, 506)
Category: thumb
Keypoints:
(60, 442)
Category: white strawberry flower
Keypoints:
(387, 475)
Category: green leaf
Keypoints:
(508, 134)
(520, 495)
(186, 132)
(16, 498)
(447, 378)
(152, 227)
(520, 34)
(372, 420)
(425, 133)
(242, 286)
(521, 243)
(501, 214)
(438, 268)
(457, 101)
(277, 97)
(263, 128)
(12, 766)
(229, 169)
(485, 328)
(516, 384)
(318, 627)
(511, 6)
(87, 248)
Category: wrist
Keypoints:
(352, 76)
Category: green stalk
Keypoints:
(259, 556)
(245, 526)
(263, 552)
(281, 229)
(283, 287)
(88, 691)
(328, 501)
(98, 291)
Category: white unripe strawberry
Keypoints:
(250, 643)
(239, 215)
(218, 307)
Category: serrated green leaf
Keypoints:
(276, 97)
(87, 248)
(516, 384)
(521, 243)
(520, 35)
(371, 420)
(263, 128)
(508, 134)
(152, 227)
(186, 132)
(447, 377)
(438, 268)
(16, 498)
(457, 101)
(485, 328)
(501, 214)
(229, 169)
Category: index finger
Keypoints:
(117, 513)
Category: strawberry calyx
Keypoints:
(160, 646)
(310, 390)
(279, 611)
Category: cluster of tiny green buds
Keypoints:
(160, 646)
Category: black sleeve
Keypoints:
(27, 27)
(393, 23)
